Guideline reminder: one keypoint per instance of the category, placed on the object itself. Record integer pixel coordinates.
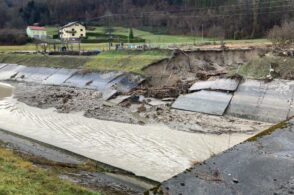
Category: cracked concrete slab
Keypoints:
(218, 84)
(268, 102)
(209, 102)
(262, 165)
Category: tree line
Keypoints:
(233, 19)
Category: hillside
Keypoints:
(251, 18)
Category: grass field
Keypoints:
(131, 61)
(148, 36)
(20, 177)
(154, 38)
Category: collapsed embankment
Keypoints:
(198, 65)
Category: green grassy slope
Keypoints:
(131, 61)
(19, 177)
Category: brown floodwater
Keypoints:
(6, 90)
(153, 151)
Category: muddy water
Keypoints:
(5, 90)
(155, 152)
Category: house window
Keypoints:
(73, 34)
(82, 30)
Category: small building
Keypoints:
(72, 31)
(36, 32)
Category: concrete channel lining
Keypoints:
(81, 80)
(34, 74)
(113, 82)
(9, 71)
(121, 82)
(218, 84)
(2, 65)
(268, 102)
(264, 165)
(208, 102)
(59, 77)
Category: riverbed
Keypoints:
(154, 151)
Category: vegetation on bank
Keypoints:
(131, 61)
(259, 67)
(44, 60)
(18, 176)
(282, 36)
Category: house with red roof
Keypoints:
(36, 32)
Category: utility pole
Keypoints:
(109, 34)
(108, 15)
(194, 35)
(202, 32)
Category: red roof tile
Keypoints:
(37, 28)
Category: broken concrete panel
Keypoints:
(10, 71)
(257, 100)
(208, 102)
(98, 81)
(59, 77)
(103, 80)
(119, 99)
(109, 93)
(218, 84)
(35, 74)
(264, 165)
(155, 102)
(125, 82)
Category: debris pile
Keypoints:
(174, 91)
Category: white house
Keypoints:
(37, 32)
(73, 30)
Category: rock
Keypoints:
(108, 104)
(235, 180)
(142, 108)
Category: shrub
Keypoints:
(13, 37)
(216, 32)
(55, 36)
(283, 35)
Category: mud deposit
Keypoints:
(67, 99)
(152, 151)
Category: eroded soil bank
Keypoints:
(185, 66)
